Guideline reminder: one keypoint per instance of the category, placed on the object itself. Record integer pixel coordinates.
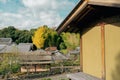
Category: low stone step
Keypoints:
(81, 76)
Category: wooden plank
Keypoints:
(44, 62)
(35, 57)
(75, 67)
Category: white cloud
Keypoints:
(27, 20)
(48, 4)
(34, 3)
(12, 15)
(36, 13)
(50, 18)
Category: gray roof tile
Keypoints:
(5, 40)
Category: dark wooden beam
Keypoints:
(85, 12)
(81, 54)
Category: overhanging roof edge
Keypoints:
(79, 7)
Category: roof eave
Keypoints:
(79, 7)
(79, 10)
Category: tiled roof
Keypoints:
(35, 57)
(5, 40)
(2, 48)
(8, 48)
(57, 56)
(24, 47)
(76, 51)
(21, 48)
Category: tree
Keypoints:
(32, 31)
(8, 32)
(40, 36)
(46, 37)
(70, 40)
(53, 39)
(23, 36)
(18, 36)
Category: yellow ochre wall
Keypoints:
(91, 46)
(112, 51)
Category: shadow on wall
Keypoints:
(116, 72)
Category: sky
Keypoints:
(29, 14)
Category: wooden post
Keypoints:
(35, 68)
(81, 55)
(103, 50)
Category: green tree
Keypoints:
(23, 36)
(32, 31)
(8, 32)
(53, 39)
(70, 40)
(18, 36)
(46, 37)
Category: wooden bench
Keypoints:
(81, 76)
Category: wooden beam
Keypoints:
(86, 11)
(70, 29)
(35, 68)
(103, 50)
(76, 30)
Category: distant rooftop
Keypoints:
(6, 46)
(24, 47)
(35, 57)
(58, 56)
(5, 41)
(76, 51)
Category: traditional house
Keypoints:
(24, 47)
(35, 61)
(31, 61)
(58, 56)
(6, 41)
(98, 22)
(6, 45)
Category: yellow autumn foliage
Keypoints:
(39, 36)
